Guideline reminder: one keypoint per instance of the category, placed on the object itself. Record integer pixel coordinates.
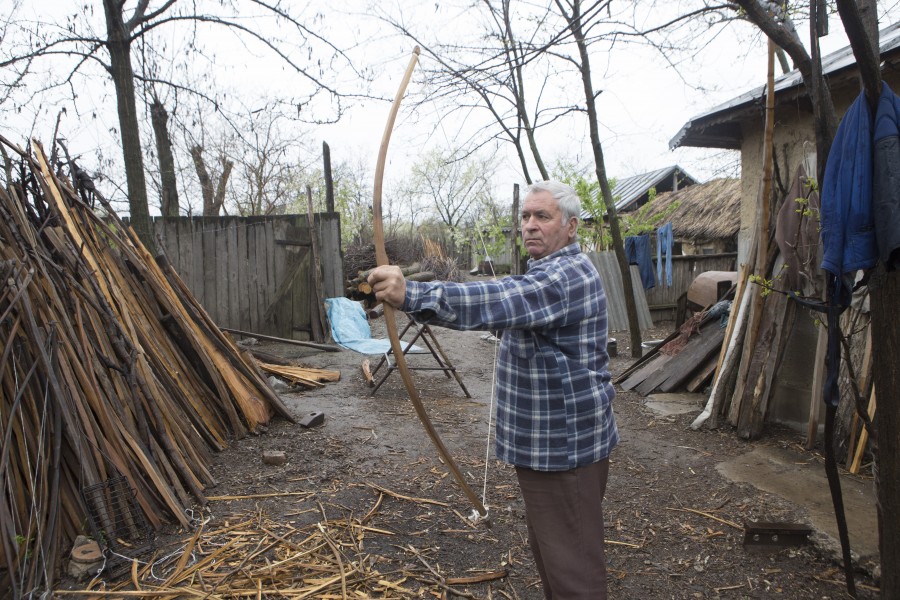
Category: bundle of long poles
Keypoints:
(108, 367)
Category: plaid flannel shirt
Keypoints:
(554, 391)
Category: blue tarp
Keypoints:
(350, 328)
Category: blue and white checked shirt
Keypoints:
(554, 393)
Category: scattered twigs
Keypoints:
(254, 556)
(388, 492)
(708, 516)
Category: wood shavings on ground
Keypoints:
(252, 555)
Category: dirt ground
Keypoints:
(674, 523)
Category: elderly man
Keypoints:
(555, 421)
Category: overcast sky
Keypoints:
(644, 100)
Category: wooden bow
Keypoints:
(381, 259)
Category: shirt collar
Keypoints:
(570, 250)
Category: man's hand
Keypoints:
(388, 284)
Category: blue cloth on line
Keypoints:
(637, 251)
(350, 328)
(664, 241)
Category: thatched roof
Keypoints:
(706, 211)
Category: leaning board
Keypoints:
(606, 265)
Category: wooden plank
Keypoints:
(863, 375)
(196, 284)
(646, 357)
(692, 358)
(818, 385)
(253, 293)
(703, 375)
(650, 367)
(232, 268)
(735, 341)
(243, 275)
(220, 313)
(774, 330)
(332, 262)
(185, 260)
(617, 318)
(863, 437)
(316, 291)
(266, 254)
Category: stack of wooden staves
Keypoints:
(684, 361)
(109, 369)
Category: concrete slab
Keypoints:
(665, 405)
(801, 480)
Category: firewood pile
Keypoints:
(110, 370)
(435, 265)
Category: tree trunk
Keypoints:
(600, 165)
(885, 340)
(118, 44)
(168, 201)
(213, 192)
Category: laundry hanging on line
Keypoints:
(664, 241)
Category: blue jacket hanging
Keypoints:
(637, 251)
(848, 230)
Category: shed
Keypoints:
(739, 125)
(631, 193)
(707, 216)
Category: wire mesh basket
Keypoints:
(116, 522)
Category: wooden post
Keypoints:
(762, 233)
(318, 321)
(329, 182)
(516, 257)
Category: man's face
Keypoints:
(543, 231)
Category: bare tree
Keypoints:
(571, 12)
(450, 187)
(76, 39)
(491, 78)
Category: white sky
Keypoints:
(643, 105)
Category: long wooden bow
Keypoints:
(381, 259)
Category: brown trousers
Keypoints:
(564, 512)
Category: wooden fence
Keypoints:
(254, 273)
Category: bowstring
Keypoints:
(487, 446)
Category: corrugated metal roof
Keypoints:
(727, 134)
(628, 190)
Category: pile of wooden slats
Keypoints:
(684, 361)
(108, 367)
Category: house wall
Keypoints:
(794, 142)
